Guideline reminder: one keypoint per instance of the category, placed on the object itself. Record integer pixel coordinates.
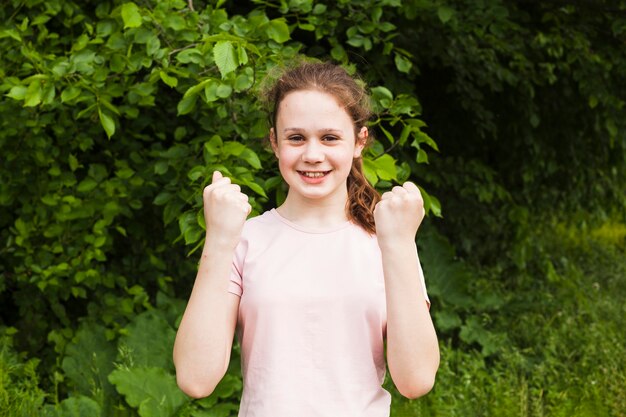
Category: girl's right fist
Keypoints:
(225, 209)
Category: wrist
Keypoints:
(219, 243)
(396, 244)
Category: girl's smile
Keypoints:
(315, 144)
(313, 177)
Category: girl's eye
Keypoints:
(330, 138)
(296, 138)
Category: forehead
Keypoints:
(312, 107)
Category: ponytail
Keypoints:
(362, 198)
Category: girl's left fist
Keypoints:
(399, 213)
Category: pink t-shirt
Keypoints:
(312, 320)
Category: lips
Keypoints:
(313, 177)
(313, 174)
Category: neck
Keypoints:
(315, 213)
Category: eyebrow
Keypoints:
(325, 130)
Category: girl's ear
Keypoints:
(361, 141)
(274, 141)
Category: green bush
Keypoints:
(115, 113)
(20, 395)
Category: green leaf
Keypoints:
(421, 137)
(125, 173)
(214, 145)
(89, 359)
(196, 172)
(131, 15)
(386, 167)
(33, 94)
(445, 13)
(76, 406)
(422, 157)
(382, 97)
(73, 162)
(18, 92)
(193, 90)
(70, 94)
(251, 157)
(242, 55)
(338, 53)
(107, 122)
(162, 198)
(186, 105)
(168, 79)
(86, 185)
(224, 90)
(403, 64)
(153, 45)
(369, 170)
(225, 57)
(210, 92)
(243, 82)
(161, 167)
(150, 325)
(255, 187)
(175, 22)
(277, 30)
(152, 390)
(11, 33)
(228, 386)
(431, 203)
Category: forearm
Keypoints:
(204, 338)
(412, 347)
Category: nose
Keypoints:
(313, 152)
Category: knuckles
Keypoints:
(401, 201)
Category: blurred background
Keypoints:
(509, 115)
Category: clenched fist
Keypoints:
(399, 214)
(225, 210)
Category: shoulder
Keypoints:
(262, 229)
(260, 224)
(363, 235)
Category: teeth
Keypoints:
(314, 174)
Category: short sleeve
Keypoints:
(235, 285)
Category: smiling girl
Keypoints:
(315, 287)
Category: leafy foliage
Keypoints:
(152, 390)
(20, 395)
(115, 113)
(78, 406)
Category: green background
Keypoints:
(509, 116)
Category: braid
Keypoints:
(362, 198)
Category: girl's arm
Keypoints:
(412, 347)
(205, 335)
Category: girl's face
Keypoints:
(315, 144)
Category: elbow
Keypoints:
(418, 387)
(195, 388)
(419, 383)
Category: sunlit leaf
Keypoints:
(107, 122)
(131, 15)
(225, 57)
(278, 30)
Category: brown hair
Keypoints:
(351, 93)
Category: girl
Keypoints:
(314, 287)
